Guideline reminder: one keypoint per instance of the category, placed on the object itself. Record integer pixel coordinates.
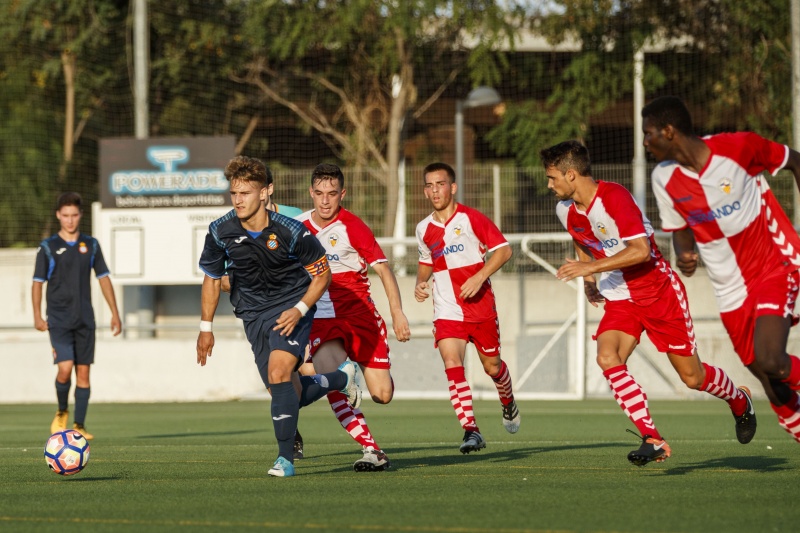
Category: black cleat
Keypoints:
(651, 450)
(746, 422)
(298, 446)
(473, 441)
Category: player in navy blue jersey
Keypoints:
(65, 261)
(278, 270)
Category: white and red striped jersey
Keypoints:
(612, 218)
(351, 248)
(457, 250)
(741, 231)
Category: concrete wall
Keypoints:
(531, 307)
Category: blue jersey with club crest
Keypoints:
(269, 272)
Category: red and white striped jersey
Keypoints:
(457, 250)
(612, 218)
(741, 231)
(351, 248)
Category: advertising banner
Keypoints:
(164, 172)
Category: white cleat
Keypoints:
(511, 417)
(373, 461)
(351, 389)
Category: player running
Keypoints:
(453, 242)
(277, 272)
(613, 238)
(711, 194)
(346, 322)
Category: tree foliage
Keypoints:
(348, 69)
(358, 73)
(741, 48)
(53, 83)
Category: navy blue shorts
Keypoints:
(263, 339)
(75, 345)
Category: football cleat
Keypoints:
(281, 468)
(746, 422)
(298, 446)
(652, 449)
(473, 441)
(82, 430)
(511, 417)
(351, 389)
(373, 461)
(59, 423)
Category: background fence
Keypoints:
(375, 87)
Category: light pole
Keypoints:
(477, 97)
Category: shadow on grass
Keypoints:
(447, 455)
(201, 434)
(94, 479)
(748, 464)
(506, 455)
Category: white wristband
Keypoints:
(205, 326)
(303, 308)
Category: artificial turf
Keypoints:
(202, 467)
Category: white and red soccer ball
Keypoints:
(66, 452)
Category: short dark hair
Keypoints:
(566, 155)
(669, 110)
(327, 171)
(436, 167)
(246, 168)
(69, 198)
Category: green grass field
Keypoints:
(202, 467)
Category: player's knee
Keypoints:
(382, 397)
(771, 363)
(607, 360)
(492, 366)
(692, 380)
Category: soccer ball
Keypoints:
(66, 452)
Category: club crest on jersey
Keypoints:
(272, 241)
(725, 185)
(601, 227)
(333, 238)
(458, 230)
(316, 342)
(82, 248)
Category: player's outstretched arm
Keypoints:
(209, 299)
(108, 293)
(399, 320)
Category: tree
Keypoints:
(746, 92)
(53, 76)
(194, 47)
(347, 69)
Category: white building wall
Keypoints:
(165, 369)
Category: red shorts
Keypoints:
(484, 335)
(773, 295)
(666, 320)
(363, 335)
